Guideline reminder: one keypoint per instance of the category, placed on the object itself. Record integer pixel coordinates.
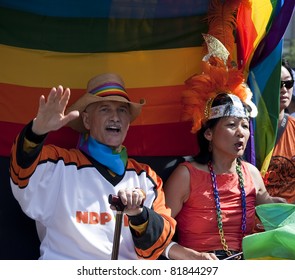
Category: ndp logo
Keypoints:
(85, 217)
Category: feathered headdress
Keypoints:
(220, 75)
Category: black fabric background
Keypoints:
(18, 236)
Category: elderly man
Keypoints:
(66, 191)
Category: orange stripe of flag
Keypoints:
(163, 104)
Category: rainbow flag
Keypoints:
(260, 52)
(261, 27)
(154, 45)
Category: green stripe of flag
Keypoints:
(80, 35)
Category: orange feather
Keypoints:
(218, 75)
(222, 21)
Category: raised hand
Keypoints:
(51, 113)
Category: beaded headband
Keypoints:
(236, 109)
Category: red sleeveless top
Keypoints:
(196, 222)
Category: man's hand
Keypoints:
(50, 116)
(133, 199)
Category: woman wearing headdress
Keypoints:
(213, 196)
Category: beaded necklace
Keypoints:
(217, 202)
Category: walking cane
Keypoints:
(117, 203)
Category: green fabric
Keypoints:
(278, 240)
(98, 35)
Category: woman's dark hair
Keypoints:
(286, 64)
(204, 155)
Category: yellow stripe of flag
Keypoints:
(260, 18)
(139, 69)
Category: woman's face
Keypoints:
(229, 137)
(285, 93)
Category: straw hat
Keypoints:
(103, 87)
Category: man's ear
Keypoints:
(85, 117)
(208, 134)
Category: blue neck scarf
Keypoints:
(113, 160)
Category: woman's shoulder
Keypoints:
(191, 164)
(251, 168)
(291, 120)
(248, 165)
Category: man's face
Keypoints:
(107, 122)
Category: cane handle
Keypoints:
(115, 201)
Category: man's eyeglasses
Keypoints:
(287, 84)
